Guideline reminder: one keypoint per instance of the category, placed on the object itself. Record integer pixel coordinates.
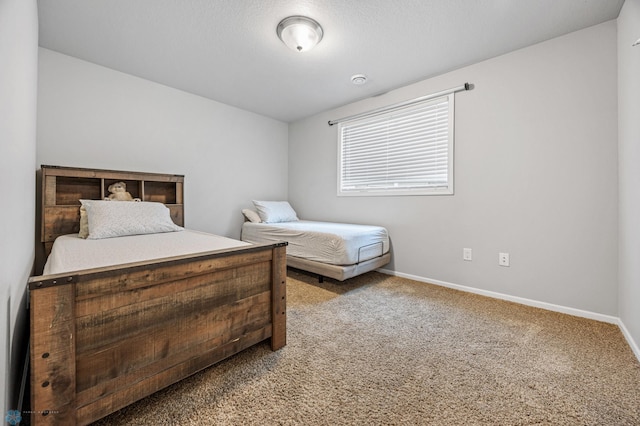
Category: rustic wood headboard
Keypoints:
(61, 189)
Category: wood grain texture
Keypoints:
(52, 329)
(125, 396)
(136, 329)
(279, 298)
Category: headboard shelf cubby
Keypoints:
(62, 188)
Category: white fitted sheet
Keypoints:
(72, 253)
(326, 242)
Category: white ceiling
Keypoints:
(228, 50)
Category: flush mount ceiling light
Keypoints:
(299, 33)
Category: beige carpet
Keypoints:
(381, 350)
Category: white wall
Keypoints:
(629, 168)
(18, 68)
(535, 176)
(91, 116)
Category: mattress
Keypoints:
(72, 253)
(325, 242)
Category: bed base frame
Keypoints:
(337, 272)
(104, 338)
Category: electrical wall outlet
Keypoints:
(503, 259)
(467, 254)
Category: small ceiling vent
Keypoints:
(359, 79)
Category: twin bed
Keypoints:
(140, 304)
(335, 250)
(106, 334)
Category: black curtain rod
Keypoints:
(466, 86)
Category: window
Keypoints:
(407, 151)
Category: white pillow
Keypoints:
(108, 219)
(275, 211)
(251, 215)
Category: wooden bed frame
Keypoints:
(106, 337)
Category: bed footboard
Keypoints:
(106, 337)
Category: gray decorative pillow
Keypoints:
(84, 223)
(251, 215)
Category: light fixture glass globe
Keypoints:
(299, 33)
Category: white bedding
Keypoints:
(326, 242)
(72, 253)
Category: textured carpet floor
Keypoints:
(382, 350)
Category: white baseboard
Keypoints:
(627, 335)
(529, 302)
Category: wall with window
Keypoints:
(535, 176)
(629, 172)
(92, 116)
(18, 78)
(399, 150)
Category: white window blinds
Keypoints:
(404, 152)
